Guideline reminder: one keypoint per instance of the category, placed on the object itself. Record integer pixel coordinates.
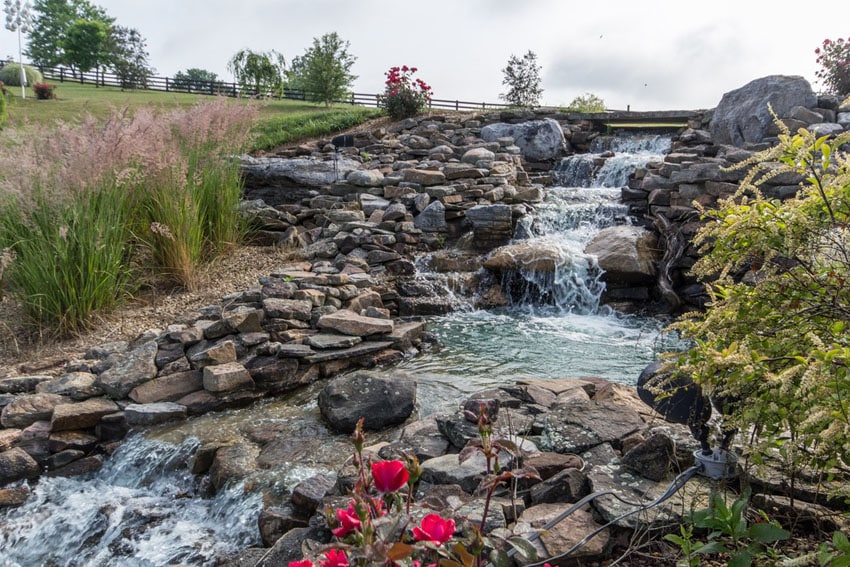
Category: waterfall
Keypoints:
(144, 508)
(554, 327)
(587, 201)
(611, 161)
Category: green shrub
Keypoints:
(2, 105)
(11, 75)
(588, 103)
(44, 91)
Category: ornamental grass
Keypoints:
(86, 209)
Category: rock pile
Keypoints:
(296, 327)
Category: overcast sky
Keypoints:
(649, 54)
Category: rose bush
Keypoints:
(378, 528)
(405, 96)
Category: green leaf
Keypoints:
(523, 547)
(741, 559)
(711, 547)
(768, 533)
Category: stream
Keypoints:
(145, 508)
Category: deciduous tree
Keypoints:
(522, 77)
(128, 57)
(324, 71)
(51, 21)
(194, 79)
(86, 44)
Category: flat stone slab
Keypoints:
(329, 340)
(367, 347)
(350, 323)
(292, 350)
(582, 425)
(168, 388)
(151, 414)
(81, 415)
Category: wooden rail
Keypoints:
(231, 89)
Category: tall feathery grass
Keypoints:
(81, 206)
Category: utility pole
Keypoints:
(19, 19)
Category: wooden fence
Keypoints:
(231, 89)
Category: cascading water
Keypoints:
(141, 509)
(554, 327)
(145, 508)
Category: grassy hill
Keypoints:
(280, 121)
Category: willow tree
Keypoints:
(257, 72)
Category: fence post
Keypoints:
(457, 105)
(61, 74)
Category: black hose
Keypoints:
(677, 484)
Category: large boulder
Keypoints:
(627, 254)
(536, 139)
(381, 400)
(531, 256)
(279, 180)
(743, 115)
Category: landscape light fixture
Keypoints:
(19, 19)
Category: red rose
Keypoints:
(389, 476)
(348, 521)
(434, 528)
(334, 558)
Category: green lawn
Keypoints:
(280, 122)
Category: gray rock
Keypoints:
(365, 178)
(536, 139)
(381, 400)
(627, 254)
(209, 354)
(130, 370)
(168, 388)
(432, 219)
(569, 485)
(275, 522)
(328, 340)
(151, 414)
(81, 415)
(22, 384)
(474, 156)
(826, 128)
(309, 494)
(76, 385)
(448, 470)
(742, 116)
(16, 464)
(582, 425)
(278, 181)
(23, 411)
(219, 378)
(350, 323)
(297, 309)
(652, 459)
